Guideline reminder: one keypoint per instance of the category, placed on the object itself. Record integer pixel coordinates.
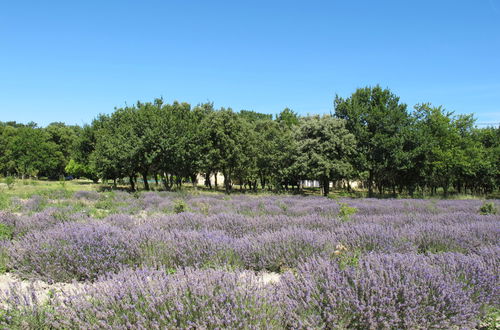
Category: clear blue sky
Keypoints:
(71, 60)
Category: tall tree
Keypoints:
(225, 137)
(376, 118)
(325, 147)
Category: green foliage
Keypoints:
(346, 211)
(325, 147)
(491, 318)
(288, 118)
(10, 181)
(4, 259)
(4, 201)
(228, 142)
(29, 151)
(349, 260)
(5, 232)
(371, 138)
(488, 208)
(62, 181)
(180, 206)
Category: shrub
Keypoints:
(398, 291)
(187, 248)
(346, 211)
(72, 251)
(35, 203)
(278, 250)
(4, 202)
(10, 181)
(87, 195)
(180, 206)
(6, 231)
(4, 259)
(488, 208)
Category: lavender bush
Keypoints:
(22, 224)
(385, 291)
(72, 251)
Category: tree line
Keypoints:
(370, 136)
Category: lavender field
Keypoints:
(151, 260)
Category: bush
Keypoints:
(180, 206)
(35, 204)
(389, 292)
(346, 211)
(4, 201)
(488, 208)
(10, 181)
(72, 251)
(5, 231)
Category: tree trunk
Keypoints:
(370, 184)
(171, 180)
(411, 190)
(208, 182)
(227, 182)
(194, 180)
(326, 187)
(132, 183)
(165, 182)
(145, 180)
(380, 188)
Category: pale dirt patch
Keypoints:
(270, 278)
(263, 278)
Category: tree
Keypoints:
(288, 117)
(83, 147)
(31, 153)
(225, 139)
(325, 146)
(377, 119)
(117, 145)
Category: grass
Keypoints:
(26, 188)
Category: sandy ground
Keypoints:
(270, 278)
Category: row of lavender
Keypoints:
(385, 291)
(118, 202)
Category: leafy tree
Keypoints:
(83, 147)
(64, 137)
(325, 147)
(31, 153)
(224, 135)
(115, 154)
(288, 117)
(377, 119)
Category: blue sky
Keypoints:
(71, 60)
